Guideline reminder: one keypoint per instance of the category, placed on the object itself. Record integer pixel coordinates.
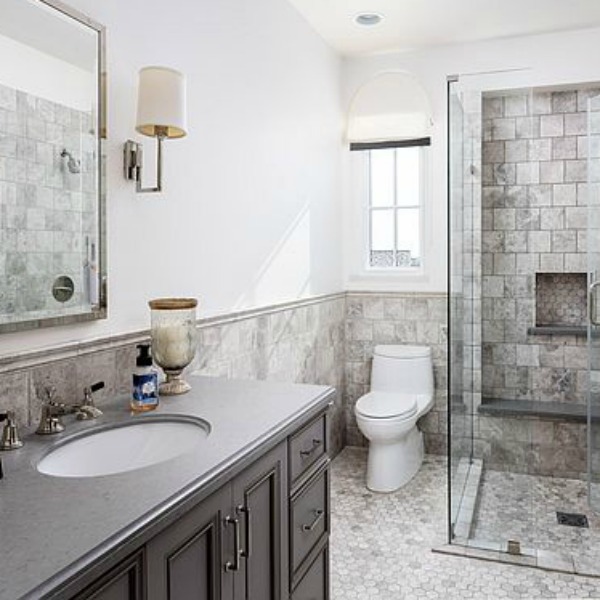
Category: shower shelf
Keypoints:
(536, 408)
(579, 330)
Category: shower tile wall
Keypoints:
(378, 318)
(42, 204)
(533, 220)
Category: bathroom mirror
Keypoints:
(52, 175)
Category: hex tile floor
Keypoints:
(381, 545)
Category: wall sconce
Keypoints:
(161, 113)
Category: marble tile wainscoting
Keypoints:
(300, 341)
(395, 318)
(326, 340)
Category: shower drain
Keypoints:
(571, 519)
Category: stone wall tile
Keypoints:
(575, 171)
(528, 173)
(564, 194)
(564, 102)
(14, 391)
(539, 241)
(564, 148)
(552, 171)
(527, 218)
(527, 127)
(575, 124)
(539, 195)
(552, 219)
(564, 241)
(513, 151)
(539, 149)
(492, 108)
(576, 217)
(551, 126)
(503, 129)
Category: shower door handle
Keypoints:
(592, 302)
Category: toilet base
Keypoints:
(392, 465)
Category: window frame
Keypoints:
(368, 209)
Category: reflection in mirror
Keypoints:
(52, 189)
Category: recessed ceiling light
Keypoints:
(368, 19)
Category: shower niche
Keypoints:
(560, 301)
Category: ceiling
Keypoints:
(417, 24)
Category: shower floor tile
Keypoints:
(523, 507)
(381, 545)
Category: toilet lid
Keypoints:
(384, 405)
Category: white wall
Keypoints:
(251, 214)
(45, 76)
(550, 59)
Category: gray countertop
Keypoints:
(51, 528)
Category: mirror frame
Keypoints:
(99, 311)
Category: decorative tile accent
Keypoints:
(560, 299)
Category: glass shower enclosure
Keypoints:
(524, 369)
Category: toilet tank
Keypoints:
(406, 369)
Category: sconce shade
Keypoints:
(161, 108)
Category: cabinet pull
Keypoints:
(235, 565)
(315, 444)
(248, 527)
(319, 515)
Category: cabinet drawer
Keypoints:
(315, 583)
(309, 518)
(307, 446)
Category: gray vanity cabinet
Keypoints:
(262, 536)
(260, 499)
(231, 546)
(187, 559)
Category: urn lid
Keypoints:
(173, 303)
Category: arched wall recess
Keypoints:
(389, 107)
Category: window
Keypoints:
(394, 207)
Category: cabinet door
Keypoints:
(123, 582)
(187, 559)
(315, 583)
(260, 499)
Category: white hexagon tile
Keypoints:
(381, 546)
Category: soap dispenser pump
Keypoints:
(145, 381)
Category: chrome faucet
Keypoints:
(10, 434)
(53, 410)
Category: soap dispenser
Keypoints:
(145, 381)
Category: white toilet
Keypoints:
(401, 392)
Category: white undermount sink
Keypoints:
(124, 447)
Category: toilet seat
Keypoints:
(384, 405)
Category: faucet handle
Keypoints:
(10, 434)
(88, 409)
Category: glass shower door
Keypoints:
(593, 244)
(464, 151)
